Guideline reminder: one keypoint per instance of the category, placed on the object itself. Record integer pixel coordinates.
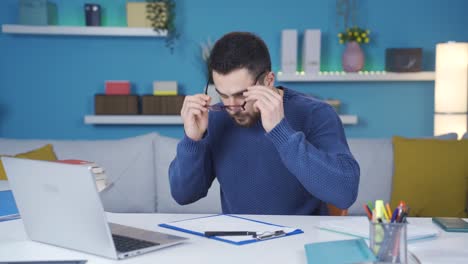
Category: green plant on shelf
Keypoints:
(162, 15)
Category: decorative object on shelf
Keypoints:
(165, 88)
(37, 12)
(451, 88)
(403, 59)
(92, 14)
(115, 104)
(161, 105)
(311, 51)
(137, 16)
(289, 50)
(353, 56)
(161, 13)
(117, 87)
(335, 103)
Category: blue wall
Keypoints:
(47, 83)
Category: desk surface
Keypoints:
(14, 244)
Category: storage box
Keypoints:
(118, 87)
(403, 59)
(161, 105)
(115, 104)
(137, 14)
(165, 88)
(37, 12)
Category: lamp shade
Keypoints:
(451, 88)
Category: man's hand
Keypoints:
(195, 115)
(269, 103)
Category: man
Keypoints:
(272, 149)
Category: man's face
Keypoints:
(231, 88)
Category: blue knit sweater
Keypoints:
(300, 165)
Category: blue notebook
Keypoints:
(341, 251)
(8, 209)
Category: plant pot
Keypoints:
(353, 57)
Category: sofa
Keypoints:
(137, 169)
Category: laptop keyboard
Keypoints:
(126, 244)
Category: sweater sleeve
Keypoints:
(191, 173)
(321, 161)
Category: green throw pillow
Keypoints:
(43, 153)
(431, 176)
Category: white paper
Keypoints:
(228, 223)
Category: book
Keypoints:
(98, 171)
(451, 224)
(359, 227)
(349, 251)
(8, 209)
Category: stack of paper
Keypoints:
(8, 210)
(359, 227)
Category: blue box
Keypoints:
(37, 12)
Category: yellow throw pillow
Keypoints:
(43, 153)
(431, 176)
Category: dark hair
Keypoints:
(238, 50)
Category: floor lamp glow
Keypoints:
(451, 88)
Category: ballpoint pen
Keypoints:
(230, 233)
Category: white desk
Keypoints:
(14, 244)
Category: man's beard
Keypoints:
(246, 120)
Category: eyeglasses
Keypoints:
(222, 107)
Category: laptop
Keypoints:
(60, 205)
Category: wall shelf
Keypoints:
(163, 119)
(356, 77)
(83, 31)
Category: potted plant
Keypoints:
(353, 56)
(161, 13)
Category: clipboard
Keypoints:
(223, 222)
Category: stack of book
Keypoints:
(98, 171)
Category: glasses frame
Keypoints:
(224, 107)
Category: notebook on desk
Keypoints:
(222, 223)
(349, 251)
(359, 227)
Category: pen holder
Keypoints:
(388, 242)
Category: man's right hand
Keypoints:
(195, 115)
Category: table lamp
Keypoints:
(451, 88)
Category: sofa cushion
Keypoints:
(128, 163)
(375, 159)
(165, 151)
(43, 153)
(431, 176)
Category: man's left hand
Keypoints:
(270, 104)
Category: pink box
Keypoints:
(117, 87)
